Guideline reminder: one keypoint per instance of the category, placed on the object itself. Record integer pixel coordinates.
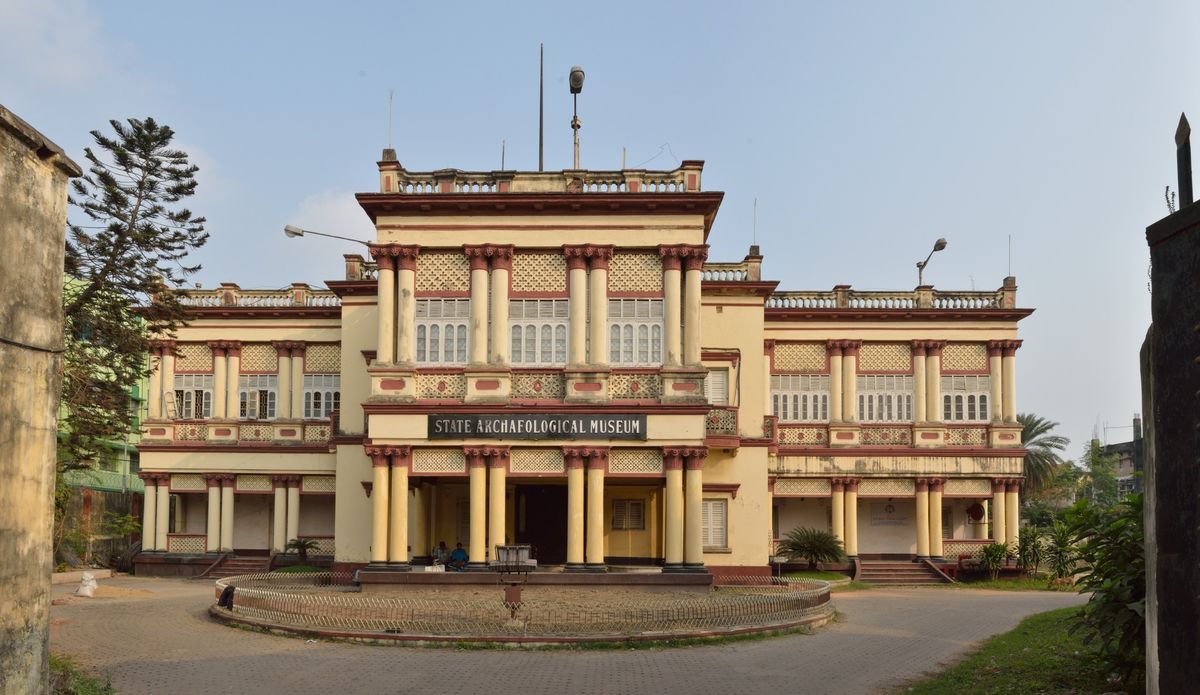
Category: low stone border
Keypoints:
(76, 576)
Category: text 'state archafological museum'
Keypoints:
(551, 358)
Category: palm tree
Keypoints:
(1042, 459)
(811, 545)
(301, 546)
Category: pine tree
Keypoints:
(124, 259)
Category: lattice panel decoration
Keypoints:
(188, 481)
(256, 433)
(887, 435)
(968, 486)
(318, 483)
(966, 436)
(802, 487)
(635, 461)
(885, 357)
(443, 271)
(953, 550)
(254, 483)
(634, 386)
(187, 543)
(804, 436)
(635, 272)
(547, 385)
(259, 357)
(439, 461)
(323, 358)
(191, 432)
(193, 357)
(318, 434)
(535, 461)
(441, 386)
(887, 487)
(965, 357)
(800, 357)
(539, 272)
(324, 546)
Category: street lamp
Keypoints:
(576, 80)
(937, 246)
(293, 231)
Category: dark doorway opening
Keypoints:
(542, 521)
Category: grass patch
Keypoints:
(1038, 656)
(67, 679)
(296, 569)
(815, 574)
(852, 586)
(1023, 583)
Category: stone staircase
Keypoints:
(234, 565)
(898, 572)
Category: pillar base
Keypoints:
(421, 560)
(594, 567)
(938, 559)
(377, 567)
(920, 558)
(575, 567)
(399, 567)
(477, 567)
(675, 568)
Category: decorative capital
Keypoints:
(598, 255)
(476, 256)
(933, 348)
(672, 459)
(500, 256)
(497, 456)
(597, 457)
(922, 484)
(1009, 349)
(400, 456)
(694, 257)
(834, 347)
(210, 480)
(576, 260)
(573, 456)
(671, 256)
(918, 348)
(476, 456)
(852, 484)
(837, 484)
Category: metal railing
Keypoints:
(325, 600)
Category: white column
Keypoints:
(998, 515)
(835, 380)
(379, 506)
(293, 507)
(501, 265)
(1009, 365)
(279, 530)
(297, 380)
(673, 543)
(996, 379)
(284, 370)
(479, 305)
(1012, 512)
(385, 352)
(922, 518)
(850, 382)
(212, 523)
(933, 382)
(595, 509)
(935, 517)
(162, 516)
(693, 543)
(598, 308)
(672, 306)
(577, 306)
(477, 472)
(693, 270)
(575, 513)
(837, 510)
(233, 371)
(406, 305)
(227, 486)
(149, 511)
(496, 507)
(398, 526)
(220, 384)
(920, 392)
(852, 518)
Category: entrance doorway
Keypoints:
(542, 521)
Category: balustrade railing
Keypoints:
(846, 298)
(726, 272)
(686, 178)
(233, 296)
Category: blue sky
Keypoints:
(865, 131)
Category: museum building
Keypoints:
(550, 358)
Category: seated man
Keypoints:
(441, 554)
(458, 559)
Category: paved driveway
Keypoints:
(154, 636)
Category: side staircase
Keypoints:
(898, 572)
(233, 565)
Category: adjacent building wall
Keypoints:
(33, 211)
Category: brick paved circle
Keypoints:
(156, 637)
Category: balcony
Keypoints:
(230, 296)
(899, 435)
(843, 297)
(395, 179)
(250, 433)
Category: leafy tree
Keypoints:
(992, 558)
(1043, 458)
(1030, 548)
(1060, 550)
(301, 546)
(812, 545)
(125, 255)
(1098, 483)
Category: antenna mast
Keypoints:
(754, 224)
(390, 93)
(541, 102)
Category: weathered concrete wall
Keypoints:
(33, 211)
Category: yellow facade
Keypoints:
(551, 359)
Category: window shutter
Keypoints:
(619, 516)
(716, 385)
(947, 524)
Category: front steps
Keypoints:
(898, 573)
(234, 565)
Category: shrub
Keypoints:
(1110, 545)
(1030, 549)
(301, 546)
(812, 545)
(992, 558)
(1060, 551)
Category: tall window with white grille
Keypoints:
(539, 332)
(441, 326)
(322, 395)
(965, 398)
(716, 386)
(714, 519)
(257, 394)
(800, 397)
(635, 328)
(885, 397)
(193, 396)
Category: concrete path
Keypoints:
(154, 636)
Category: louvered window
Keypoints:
(713, 524)
(635, 328)
(947, 523)
(538, 329)
(257, 395)
(716, 386)
(322, 395)
(965, 398)
(885, 397)
(628, 515)
(441, 327)
(193, 396)
(800, 397)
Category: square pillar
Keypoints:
(573, 459)
(279, 524)
(212, 523)
(297, 405)
(149, 511)
(922, 518)
(477, 475)
(233, 370)
(220, 381)
(995, 351)
(401, 457)
(162, 516)
(674, 522)
(380, 489)
(920, 392)
(167, 366)
(385, 298)
(933, 380)
(597, 462)
(693, 542)
(479, 305)
(497, 468)
(228, 481)
(850, 380)
(283, 352)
